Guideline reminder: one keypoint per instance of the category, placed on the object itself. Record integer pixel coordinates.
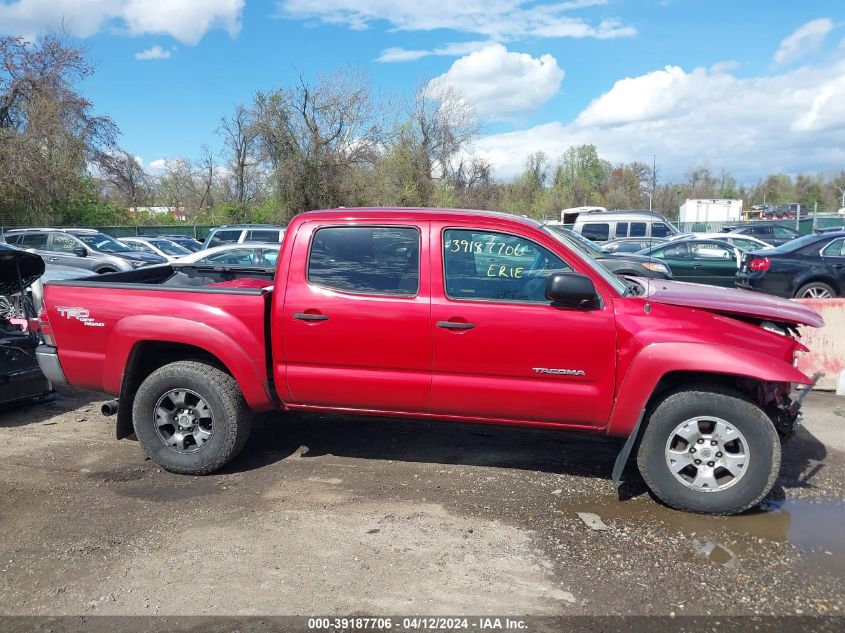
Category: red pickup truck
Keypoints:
(445, 315)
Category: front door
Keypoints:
(355, 320)
(713, 263)
(501, 350)
(677, 259)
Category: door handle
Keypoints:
(305, 316)
(696, 265)
(453, 325)
(53, 259)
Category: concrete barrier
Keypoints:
(827, 344)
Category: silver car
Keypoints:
(80, 248)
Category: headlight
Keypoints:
(656, 267)
(136, 264)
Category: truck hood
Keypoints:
(12, 260)
(730, 301)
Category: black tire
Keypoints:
(763, 451)
(817, 286)
(231, 419)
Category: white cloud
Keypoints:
(185, 20)
(499, 83)
(454, 49)
(154, 52)
(806, 39)
(496, 19)
(158, 165)
(786, 122)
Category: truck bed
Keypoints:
(101, 325)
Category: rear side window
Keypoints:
(598, 231)
(760, 230)
(366, 260)
(621, 229)
(263, 236)
(835, 249)
(33, 240)
(637, 229)
(496, 266)
(658, 229)
(224, 237)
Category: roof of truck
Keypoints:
(417, 213)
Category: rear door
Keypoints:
(834, 256)
(356, 317)
(501, 350)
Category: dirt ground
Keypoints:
(333, 515)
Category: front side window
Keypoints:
(63, 243)
(367, 260)
(783, 233)
(711, 250)
(497, 266)
(677, 251)
(598, 231)
(658, 229)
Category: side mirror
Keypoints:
(80, 252)
(571, 289)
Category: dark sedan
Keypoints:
(701, 261)
(811, 267)
(625, 264)
(774, 234)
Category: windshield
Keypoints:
(170, 248)
(101, 242)
(617, 283)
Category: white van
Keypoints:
(612, 225)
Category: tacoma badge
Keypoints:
(559, 372)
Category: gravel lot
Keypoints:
(336, 515)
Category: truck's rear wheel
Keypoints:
(190, 417)
(709, 449)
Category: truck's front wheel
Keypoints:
(190, 417)
(709, 449)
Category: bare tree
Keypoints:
(128, 181)
(239, 134)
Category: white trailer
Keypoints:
(710, 211)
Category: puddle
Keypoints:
(814, 528)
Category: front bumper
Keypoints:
(48, 361)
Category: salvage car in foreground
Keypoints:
(810, 267)
(447, 315)
(20, 377)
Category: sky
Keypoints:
(750, 86)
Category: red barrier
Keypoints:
(827, 344)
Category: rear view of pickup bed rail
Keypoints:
(445, 315)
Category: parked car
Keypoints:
(768, 232)
(810, 267)
(744, 242)
(702, 261)
(183, 240)
(20, 377)
(443, 315)
(631, 244)
(80, 248)
(619, 264)
(156, 246)
(601, 227)
(238, 234)
(264, 255)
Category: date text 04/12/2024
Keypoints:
(417, 623)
